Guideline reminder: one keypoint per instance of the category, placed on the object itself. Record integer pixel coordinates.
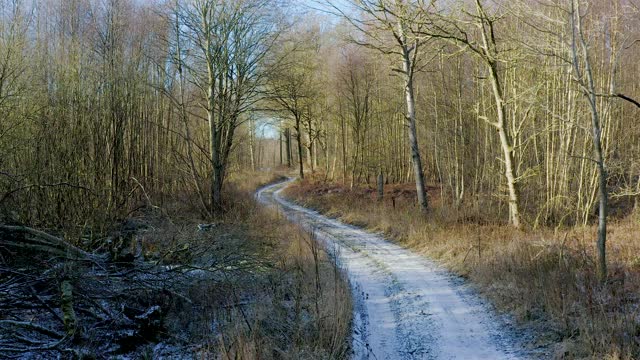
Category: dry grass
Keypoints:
(545, 277)
(277, 296)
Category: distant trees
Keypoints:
(292, 89)
(509, 65)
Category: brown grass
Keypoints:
(545, 278)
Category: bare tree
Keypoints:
(291, 87)
(583, 76)
(357, 87)
(452, 29)
(230, 41)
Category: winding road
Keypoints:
(406, 307)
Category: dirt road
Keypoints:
(406, 307)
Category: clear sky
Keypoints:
(267, 128)
(325, 5)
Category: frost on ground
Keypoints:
(406, 307)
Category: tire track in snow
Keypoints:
(405, 306)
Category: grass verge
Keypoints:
(284, 298)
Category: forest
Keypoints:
(184, 178)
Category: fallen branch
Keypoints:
(43, 241)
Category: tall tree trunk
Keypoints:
(252, 150)
(380, 183)
(214, 141)
(300, 152)
(315, 154)
(636, 201)
(407, 67)
(489, 49)
(356, 154)
(280, 147)
(507, 148)
(588, 86)
(335, 156)
(216, 187)
(344, 149)
(602, 193)
(287, 135)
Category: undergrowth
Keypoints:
(166, 283)
(270, 309)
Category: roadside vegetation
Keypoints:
(170, 284)
(544, 277)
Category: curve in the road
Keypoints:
(406, 307)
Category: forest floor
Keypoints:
(167, 283)
(544, 279)
(406, 307)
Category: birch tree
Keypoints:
(486, 47)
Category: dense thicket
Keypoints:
(105, 105)
(120, 123)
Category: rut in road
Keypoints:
(406, 307)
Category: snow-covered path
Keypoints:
(406, 307)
